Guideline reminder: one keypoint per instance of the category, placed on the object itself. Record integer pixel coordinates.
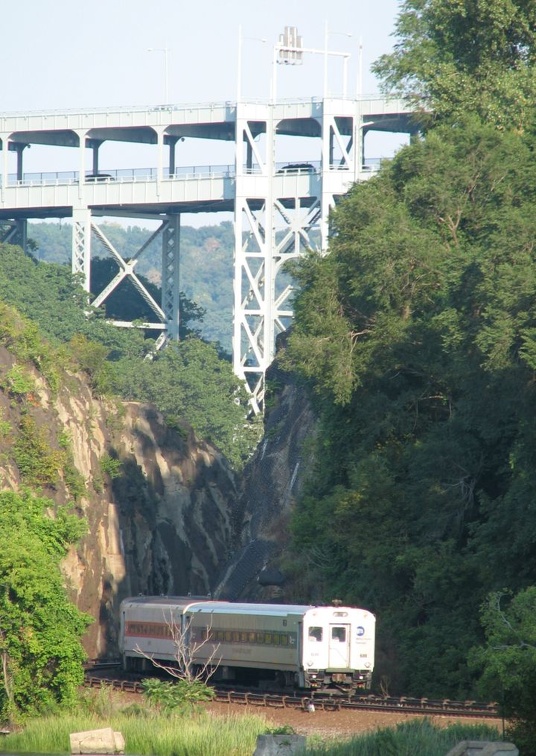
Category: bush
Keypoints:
(180, 694)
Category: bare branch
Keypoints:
(185, 653)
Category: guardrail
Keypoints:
(184, 105)
(129, 175)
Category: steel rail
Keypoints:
(426, 706)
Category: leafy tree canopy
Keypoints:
(470, 56)
(40, 629)
(508, 662)
(417, 337)
(190, 380)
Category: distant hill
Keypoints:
(206, 265)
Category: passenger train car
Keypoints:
(305, 647)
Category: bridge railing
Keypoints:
(121, 175)
(129, 175)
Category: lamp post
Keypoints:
(360, 69)
(239, 61)
(164, 50)
(345, 57)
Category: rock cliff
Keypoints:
(158, 502)
(271, 483)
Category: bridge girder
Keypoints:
(280, 211)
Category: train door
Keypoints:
(339, 647)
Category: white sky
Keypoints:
(69, 54)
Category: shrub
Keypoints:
(38, 464)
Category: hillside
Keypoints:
(156, 503)
(206, 265)
(189, 380)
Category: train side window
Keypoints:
(284, 639)
(315, 634)
(338, 634)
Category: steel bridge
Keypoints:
(280, 208)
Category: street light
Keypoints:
(345, 56)
(164, 50)
(239, 62)
(360, 69)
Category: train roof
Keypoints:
(164, 600)
(203, 604)
(279, 610)
(231, 607)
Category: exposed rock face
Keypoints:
(158, 502)
(272, 481)
(162, 508)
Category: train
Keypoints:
(310, 648)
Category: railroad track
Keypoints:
(405, 704)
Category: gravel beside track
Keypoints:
(340, 724)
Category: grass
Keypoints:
(196, 732)
(414, 738)
(146, 731)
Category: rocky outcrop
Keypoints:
(272, 481)
(158, 502)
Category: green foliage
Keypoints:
(413, 738)
(92, 359)
(181, 694)
(5, 427)
(51, 296)
(206, 270)
(17, 381)
(146, 732)
(110, 466)
(416, 336)
(23, 339)
(508, 662)
(39, 464)
(73, 479)
(40, 629)
(465, 57)
(190, 380)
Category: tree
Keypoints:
(40, 629)
(206, 266)
(508, 661)
(189, 379)
(126, 303)
(416, 336)
(472, 56)
(194, 663)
